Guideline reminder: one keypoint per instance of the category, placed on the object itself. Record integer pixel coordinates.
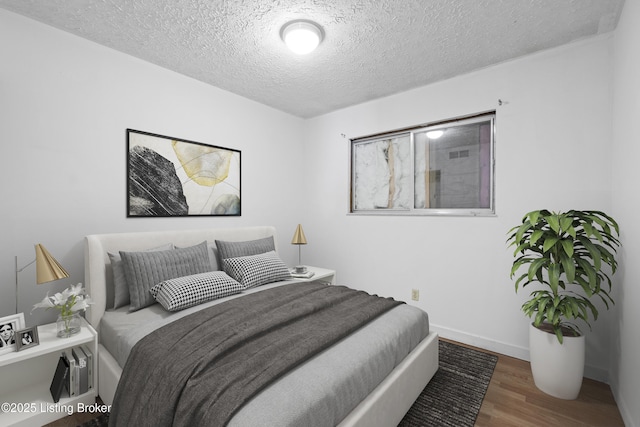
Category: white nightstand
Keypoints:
(25, 377)
(320, 275)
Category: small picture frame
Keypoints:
(8, 327)
(26, 338)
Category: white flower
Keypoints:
(82, 303)
(75, 289)
(45, 303)
(59, 299)
(69, 301)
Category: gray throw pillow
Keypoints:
(144, 270)
(213, 257)
(120, 286)
(246, 248)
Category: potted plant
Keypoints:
(571, 256)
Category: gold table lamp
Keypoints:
(299, 239)
(48, 269)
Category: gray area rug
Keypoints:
(454, 395)
(452, 398)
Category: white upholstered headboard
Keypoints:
(97, 267)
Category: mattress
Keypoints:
(320, 392)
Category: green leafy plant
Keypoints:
(567, 252)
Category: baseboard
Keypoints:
(518, 352)
(623, 406)
(482, 342)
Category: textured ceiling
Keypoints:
(372, 48)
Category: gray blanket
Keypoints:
(199, 370)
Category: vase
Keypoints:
(557, 368)
(68, 325)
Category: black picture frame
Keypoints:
(175, 177)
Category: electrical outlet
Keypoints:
(415, 294)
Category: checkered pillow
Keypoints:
(256, 270)
(183, 292)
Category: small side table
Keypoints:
(27, 374)
(321, 275)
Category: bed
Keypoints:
(370, 377)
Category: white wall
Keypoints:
(64, 106)
(553, 151)
(626, 205)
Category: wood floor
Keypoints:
(74, 420)
(513, 400)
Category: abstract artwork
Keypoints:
(175, 177)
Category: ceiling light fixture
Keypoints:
(301, 36)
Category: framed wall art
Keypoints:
(169, 177)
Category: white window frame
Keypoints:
(412, 210)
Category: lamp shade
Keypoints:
(48, 268)
(298, 237)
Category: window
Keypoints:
(445, 168)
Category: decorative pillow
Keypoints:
(121, 288)
(144, 270)
(213, 256)
(183, 292)
(256, 270)
(246, 248)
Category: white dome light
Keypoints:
(301, 37)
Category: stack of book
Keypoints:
(306, 275)
(74, 373)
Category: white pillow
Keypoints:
(183, 292)
(256, 270)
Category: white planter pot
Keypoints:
(557, 368)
